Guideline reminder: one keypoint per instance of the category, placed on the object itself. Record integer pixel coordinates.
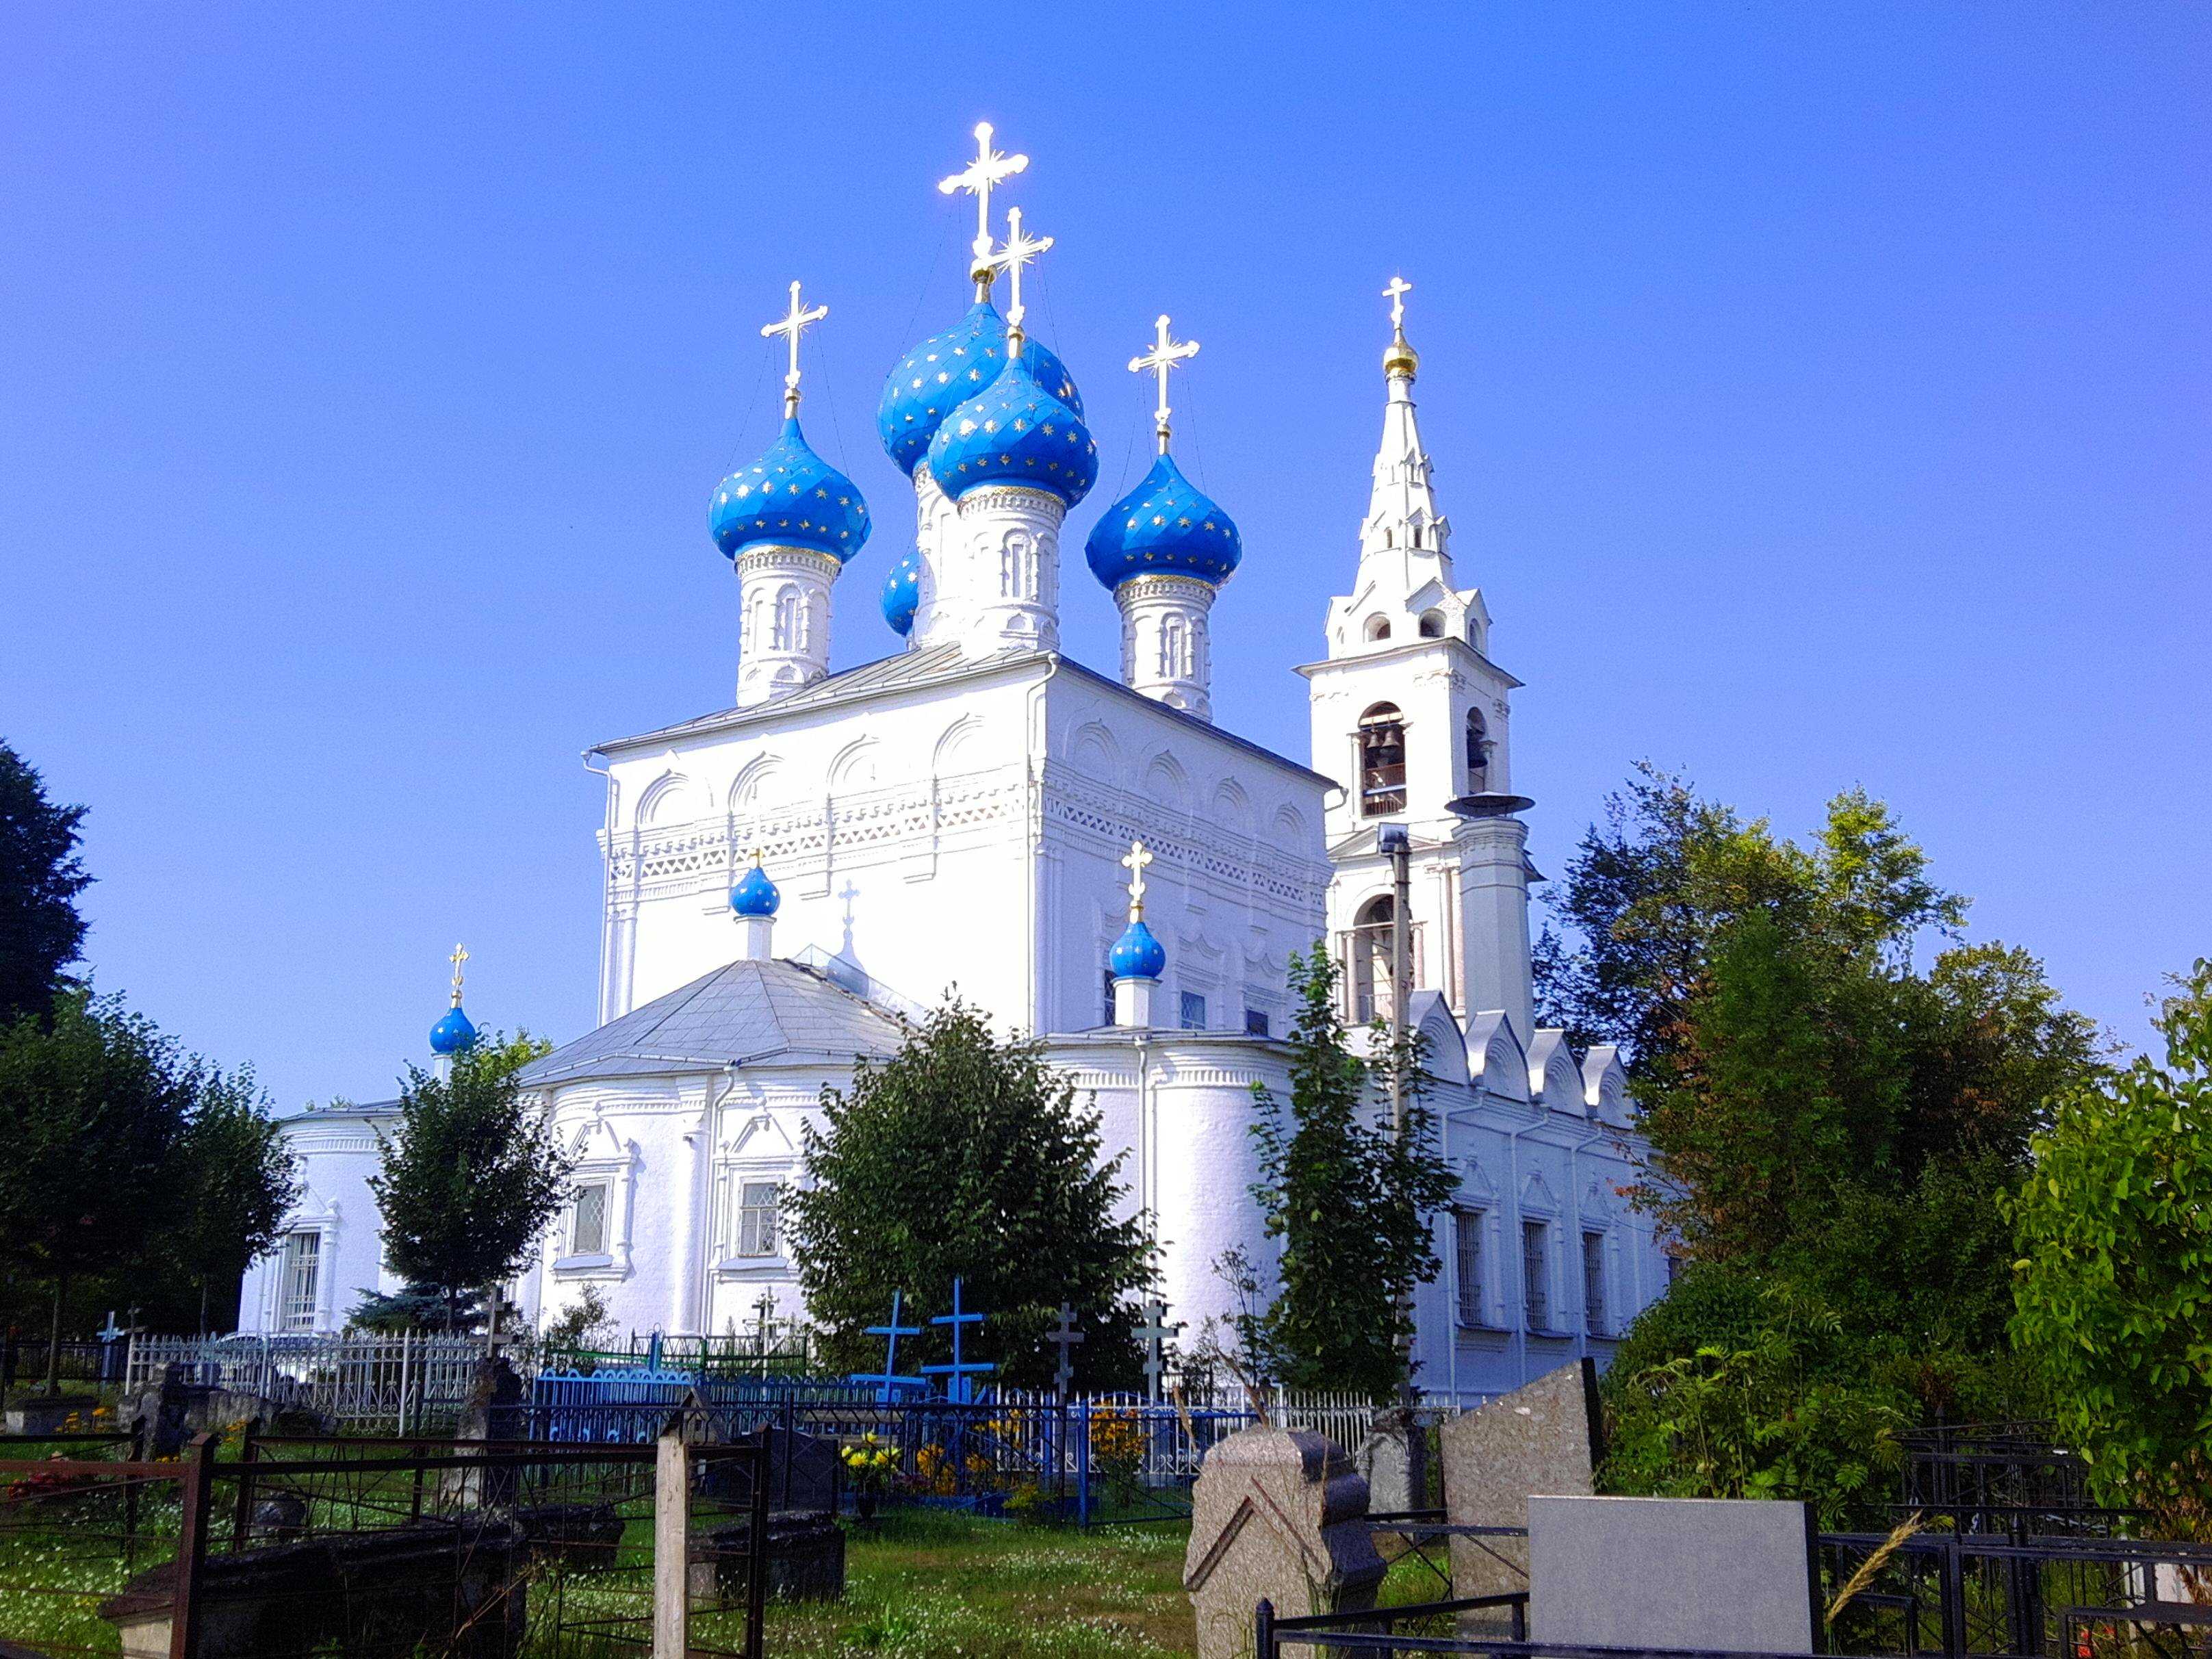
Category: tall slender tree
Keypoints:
(236, 1182)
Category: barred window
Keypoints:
(1466, 1254)
(302, 1273)
(1534, 1273)
(587, 1225)
(757, 1206)
(1594, 1282)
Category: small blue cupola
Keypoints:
(453, 1035)
(1015, 433)
(790, 497)
(755, 895)
(1137, 954)
(1166, 527)
(947, 369)
(902, 592)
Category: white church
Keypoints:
(786, 878)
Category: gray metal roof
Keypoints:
(745, 1013)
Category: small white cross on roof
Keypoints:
(1396, 291)
(1166, 353)
(792, 323)
(1135, 861)
(1020, 249)
(990, 167)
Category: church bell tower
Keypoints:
(1412, 718)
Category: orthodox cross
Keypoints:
(1395, 292)
(1165, 354)
(1021, 248)
(1064, 1337)
(766, 1309)
(792, 323)
(1155, 1335)
(888, 1381)
(460, 955)
(957, 1388)
(990, 167)
(1135, 861)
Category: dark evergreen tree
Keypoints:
(963, 1155)
(236, 1182)
(470, 1177)
(41, 876)
(1351, 1199)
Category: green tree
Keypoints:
(2114, 1280)
(41, 876)
(471, 1176)
(965, 1155)
(235, 1181)
(95, 1106)
(1351, 1200)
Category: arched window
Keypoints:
(1378, 627)
(786, 634)
(1372, 927)
(1478, 753)
(1381, 760)
(1175, 649)
(1432, 624)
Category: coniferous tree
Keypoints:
(965, 1155)
(471, 1176)
(41, 876)
(1350, 1198)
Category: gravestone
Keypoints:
(805, 1561)
(168, 1411)
(804, 1472)
(492, 1411)
(1279, 1514)
(1546, 1437)
(1720, 1574)
(1395, 1459)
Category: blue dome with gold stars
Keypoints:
(453, 1035)
(1166, 525)
(1136, 954)
(902, 592)
(947, 369)
(790, 497)
(755, 895)
(1015, 432)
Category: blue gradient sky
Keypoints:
(1818, 393)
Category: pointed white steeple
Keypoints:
(1402, 516)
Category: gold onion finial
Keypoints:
(1399, 357)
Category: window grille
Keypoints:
(1194, 1012)
(1381, 760)
(1533, 1273)
(757, 1206)
(1594, 1282)
(587, 1232)
(303, 1254)
(1467, 1251)
(1256, 1022)
(1106, 982)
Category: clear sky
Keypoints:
(1818, 394)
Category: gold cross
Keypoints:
(1395, 293)
(792, 323)
(460, 955)
(988, 169)
(1135, 861)
(1021, 249)
(1166, 353)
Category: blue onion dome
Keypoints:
(902, 592)
(453, 1035)
(1165, 524)
(755, 895)
(1137, 954)
(947, 369)
(1015, 433)
(790, 497)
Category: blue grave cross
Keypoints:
(957, 1388)
(888, 1381)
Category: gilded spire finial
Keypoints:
(460, 955)
(1166, 353)
(1020, 249)
(1399, 358)
(1135, 861)
(989, 168)
(792, 323)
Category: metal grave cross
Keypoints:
(990, 167)
(888, 1381)
(792, 323)
(1166, 353)
(957, 1388)
(1157, 1334)
(1064, 1337)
